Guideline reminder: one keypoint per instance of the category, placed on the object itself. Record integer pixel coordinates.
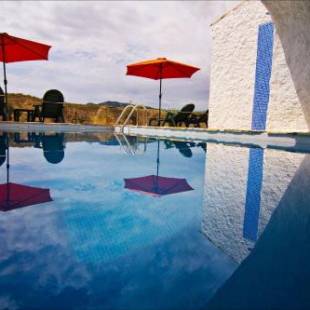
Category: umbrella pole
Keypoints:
(5, 81)
(157, 168)
(8, 173)
(160, 94)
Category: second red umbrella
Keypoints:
(161, 68)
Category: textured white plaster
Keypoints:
(285, 112)
(279, 170)
(290, 93)
(234, 60)
(226, 178)
(233, 66)
(224, 198)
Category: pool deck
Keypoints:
(296, 141)
(53, 127)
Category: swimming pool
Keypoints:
(101, 221)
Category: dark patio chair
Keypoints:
(178, 118)
(182, 147)
(3, 147)
(2, 107)
(201, 119)
(53, 147)
(52, 106)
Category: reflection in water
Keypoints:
(273, 199)
(3, 147)
(101, 246)
(53, 148)
(52, 144)
(15, 196)
(157, 185)
(253, 192)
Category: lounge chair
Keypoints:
(3, 147)
(201, 119)
(2, 107)
(52, 106)
(182, 147)
(178, 118)
(53, 147)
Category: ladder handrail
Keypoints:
(123, 112)
(132, 111)
(133, 107)
(127, 147)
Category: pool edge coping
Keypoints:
(299, 141)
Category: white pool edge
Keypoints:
(54, 127)
(298, 141)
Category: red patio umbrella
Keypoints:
(156, 185)
(14, 49)
(161, 68)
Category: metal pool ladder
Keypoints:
(130, 109)
(131, 148)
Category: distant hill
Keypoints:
(113, 104)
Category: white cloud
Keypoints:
(92, 42)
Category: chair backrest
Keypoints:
(204, 117)
(3, 148)
(52, 104)
(1, 101)
(184, 113)
(53, 148)
(183, 148)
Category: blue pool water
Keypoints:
(240, 238)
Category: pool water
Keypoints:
(98, 221)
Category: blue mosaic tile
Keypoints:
(253, 194)
(262, 76)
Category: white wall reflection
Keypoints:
(242, 188)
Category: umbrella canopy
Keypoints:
(157, 185)
(14, 196)
(161, 68)
(14, 49)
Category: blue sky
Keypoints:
(92, 42)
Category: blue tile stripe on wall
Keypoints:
(262, 76)
(253, 194)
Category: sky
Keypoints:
(93, 41)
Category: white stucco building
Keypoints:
(258, 72)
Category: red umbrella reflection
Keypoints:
(14, 196)
(156, 185)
